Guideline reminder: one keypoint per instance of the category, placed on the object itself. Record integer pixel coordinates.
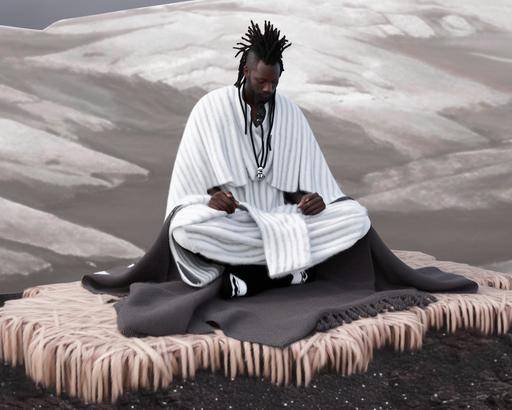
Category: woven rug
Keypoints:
(67, 339)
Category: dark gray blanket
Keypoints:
(363, 280)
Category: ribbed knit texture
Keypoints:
(215, 151)
(284, 239)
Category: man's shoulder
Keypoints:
(287, 102)
(293, 109)
(224, 90)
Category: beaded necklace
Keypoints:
(260, 116)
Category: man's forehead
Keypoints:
(264, 71)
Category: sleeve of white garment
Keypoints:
(194, 170)
(186, 180)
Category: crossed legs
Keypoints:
(244, 279)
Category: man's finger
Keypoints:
(304, 200)
(316, 208)
(226, 207)
(313, 210)
(311, 203)
(214, 205)
(219, 201)
(232, 198)
(227, 204)
(230, 203)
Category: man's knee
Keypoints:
(180, 236)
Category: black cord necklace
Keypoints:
(260, 116)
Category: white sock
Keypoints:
(238, 286)
(299, 277)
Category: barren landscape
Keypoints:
(410, 101)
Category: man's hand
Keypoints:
(311, 204)
(223, 201)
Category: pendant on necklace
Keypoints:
(260, 174)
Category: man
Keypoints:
(253, 206)
(228, 119)
(259, 84)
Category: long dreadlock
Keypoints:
(267, 47)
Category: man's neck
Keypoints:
(248, 97)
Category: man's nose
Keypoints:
(268, 88)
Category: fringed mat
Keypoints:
(68, 340)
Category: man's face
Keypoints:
(262, 80)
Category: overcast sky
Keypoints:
(38, 14)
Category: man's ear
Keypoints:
(246, 71)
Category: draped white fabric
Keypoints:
(214, 151)
(284, 239)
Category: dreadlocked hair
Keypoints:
(267, 47)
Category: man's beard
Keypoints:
(263, 98)
(260, 114)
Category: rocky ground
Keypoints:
(464, 370)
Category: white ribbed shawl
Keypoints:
(284, 239)
(214, 151)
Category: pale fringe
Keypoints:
(482, 276)
(68, 339)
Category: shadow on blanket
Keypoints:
(74, 335)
